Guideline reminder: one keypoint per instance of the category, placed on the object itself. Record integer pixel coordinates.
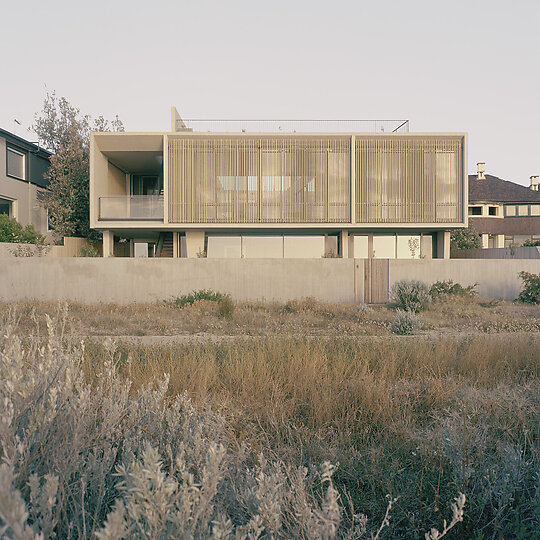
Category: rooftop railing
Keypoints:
(131, 207)
(298, 126)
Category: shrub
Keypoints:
(226, 306)
(531, 243)
(411, 295)
(530, 293)
(89, 251)
(442, 289)
(196, 296)
(465, 239)
(305, 304)
(12, 231)
(364, 308)
(405, 323)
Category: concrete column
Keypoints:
(344, 244)
(175, 246)
(485, 241)
(499, 241)
(194, 243)
(108, 244)
(353, 179)
(443, 245)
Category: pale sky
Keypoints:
(465, 66)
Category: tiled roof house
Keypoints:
(503, 212)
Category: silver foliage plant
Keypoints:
(102, 461)
(410, 295)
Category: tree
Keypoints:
(62, 129)
(465, 238)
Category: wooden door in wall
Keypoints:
(376, 281)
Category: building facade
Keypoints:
(504, 213)
(23, 178)
(274, 194)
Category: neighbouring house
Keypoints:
(504, 213)
(23, 178)
(269, 189)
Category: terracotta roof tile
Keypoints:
(495, 189)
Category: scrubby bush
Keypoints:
(89, 250)
(465, 238)
(305, 304)
(410, 295)
(226, 306)
(364, 308)
(530, 293)
(443, 289)
(531, 243)
(196, 296)
(12, 231)
(405, 323)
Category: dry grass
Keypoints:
(419, 419)
(303, 317)
(425, 419)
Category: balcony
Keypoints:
(131, 207)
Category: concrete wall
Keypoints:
(530, 252)
(146, 280)
(125, 280)
(495, 278)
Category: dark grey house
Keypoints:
(23, 178)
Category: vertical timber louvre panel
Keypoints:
(409, 180)
(259, 180)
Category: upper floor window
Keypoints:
(510, 210)
(492, 210)
(16, 164)
(475, 210)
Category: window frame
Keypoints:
(24, 155)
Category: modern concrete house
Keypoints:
(23, 168)
(504, 213)
(278, 189)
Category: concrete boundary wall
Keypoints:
(522, 252)
(124, 280)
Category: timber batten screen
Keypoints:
(259, 180)
(409, 180)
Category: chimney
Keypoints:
(481, 170)
(534, 183)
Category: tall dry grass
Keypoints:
(420, 419)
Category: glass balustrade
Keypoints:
(131, 207)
